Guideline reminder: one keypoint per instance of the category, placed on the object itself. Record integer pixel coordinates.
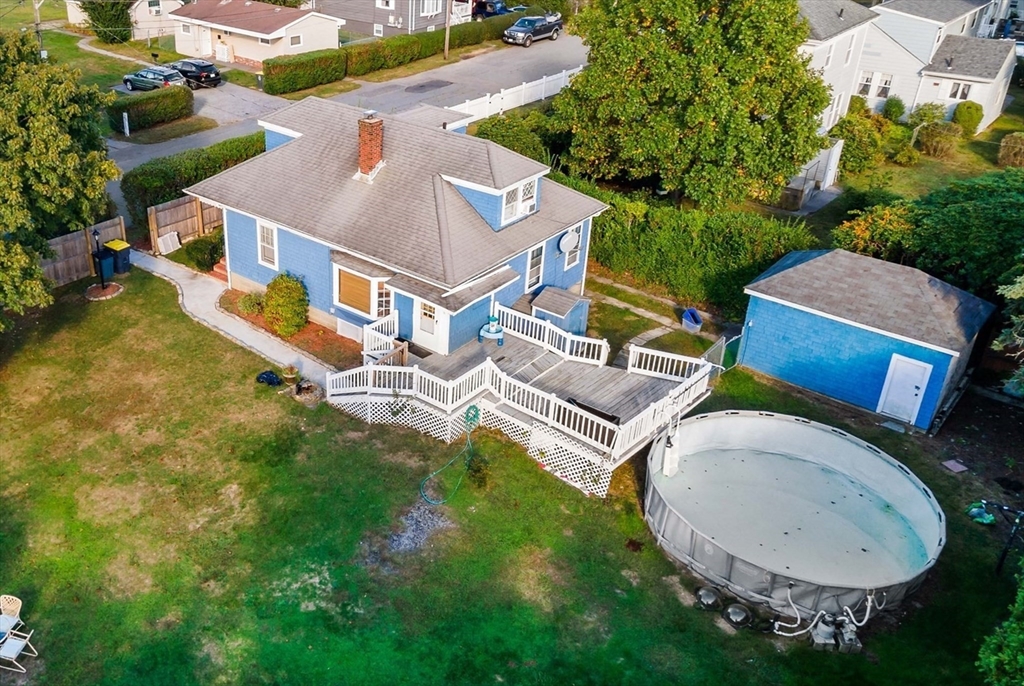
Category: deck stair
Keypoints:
(540, 365)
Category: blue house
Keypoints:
(882, 336)
(391, 217)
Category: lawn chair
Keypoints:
(10, 614)
(12, 648)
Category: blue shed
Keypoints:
(882, 336)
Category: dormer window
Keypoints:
(519, 201)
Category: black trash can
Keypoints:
(104, 261)
(122, 255)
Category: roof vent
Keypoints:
(949, 63)
(841, 9)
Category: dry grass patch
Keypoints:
(108, 504)
(536, 578)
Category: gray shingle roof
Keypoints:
(556, 301)
(259, 17)
(889, 297)
(936, 10)
(456, 301)
(409, 218)
(829, 18)
(979, 58)
(432, 116)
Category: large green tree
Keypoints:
(110, 20)
(22, 284)
(53, 159)
(711, 97)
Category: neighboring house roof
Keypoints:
(433, 116)
(829, 18)
(936, 10)
(979, 58)
(260, 18)
(134, 4)
(891, 298)
(409, 218)
(556, 301)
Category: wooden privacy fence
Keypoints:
(188, 217)
(73, 259)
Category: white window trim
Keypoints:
(869, 83)
(435, 8)
(849, 51)
(540, 277)
(378, 30)
(374, 292)
(960, 87)
(264, 41)
(578, 229)
(882, 84)
(385, 4)
(521, 205)
(259, 246)
(292, 43)
(828, 55)
(186, 29)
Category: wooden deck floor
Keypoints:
(611, 390)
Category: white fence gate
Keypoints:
(517, 96)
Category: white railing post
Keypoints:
(416, 381)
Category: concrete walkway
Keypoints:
(199, 294)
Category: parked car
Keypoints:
(482, 9)
(152, 78)
(529, 29)
(198, 73)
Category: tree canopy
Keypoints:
(709, 97)
(22, 284)
(111, 20)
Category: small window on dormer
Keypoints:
(511, 204)
(519, 201)
(529, 196)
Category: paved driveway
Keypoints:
(471, 78)
(228, 103)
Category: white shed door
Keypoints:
(904, 388)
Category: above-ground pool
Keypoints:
(774, 508)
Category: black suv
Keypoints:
(198, 73)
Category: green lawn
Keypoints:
(630, 298)
(165, 132)
(15, 14)
(239, 77)
(617, 325)
(100, 70)
(168, 521)
(163, 48)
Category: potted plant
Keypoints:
(290, 374)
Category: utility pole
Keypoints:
(36, 4)
(447, 25)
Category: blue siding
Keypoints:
(487, 206)
(274, 139)
(574, 322)
(555, 273)
(832, 358)
(464, 326)
(403, 304)
(508, 295)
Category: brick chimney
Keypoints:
(371, 143)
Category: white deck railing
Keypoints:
(379, 336)
(517, 96)
(662, 365)
(544, 333)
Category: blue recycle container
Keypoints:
(692, 320)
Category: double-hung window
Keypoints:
(535, 267)
(519, 201)
(849, 52)
(511, 208)
(828, 55)
(572, 256)
(268, 245)
(369, 297)
(865, 83)
(430, 8)
(884, 86)
(959, 91)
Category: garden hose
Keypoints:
(471, 418)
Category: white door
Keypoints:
(427, 326)
(205, 41)
(904, 388)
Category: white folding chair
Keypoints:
(10, 613)
(11, 649)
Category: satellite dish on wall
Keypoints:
(570, 240)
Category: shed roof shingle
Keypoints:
(245, 15)
(829, 18)
(897, 299)
(979, 58)
(936, 10)
(409, 218)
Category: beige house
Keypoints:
(249, 32)
(150, 18)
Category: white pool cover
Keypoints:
(761, 501)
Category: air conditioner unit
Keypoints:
(391, 20)
(532, 207)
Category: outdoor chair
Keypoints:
(11, 649)
(10, 613)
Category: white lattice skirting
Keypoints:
(567, 459)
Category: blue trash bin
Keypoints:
(692, 320)
(104, 262)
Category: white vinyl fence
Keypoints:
(517, 96)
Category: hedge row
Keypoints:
(298, 72)
(149, 109)
(164, 178)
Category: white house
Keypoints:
(249, 32)
(150, 18)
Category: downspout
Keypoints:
(917, 95)
(412, 3)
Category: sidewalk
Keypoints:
(199, 294)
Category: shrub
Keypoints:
(883, 231)
(204, 252)
(927, 113)
(365, 58)
(906, 155)
(164, 178)
(968, 115)
(478, 470)
(399, 50)
(286, 305)
(701, 258)
(1011, 150)
(251, 303)
(513, 132)
(894, 109)
(858, 107)
(292, 73)
(939, 139)
(1000, 657)
(470, 33)
(863, 147)
(149, 109)
(431, 43)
